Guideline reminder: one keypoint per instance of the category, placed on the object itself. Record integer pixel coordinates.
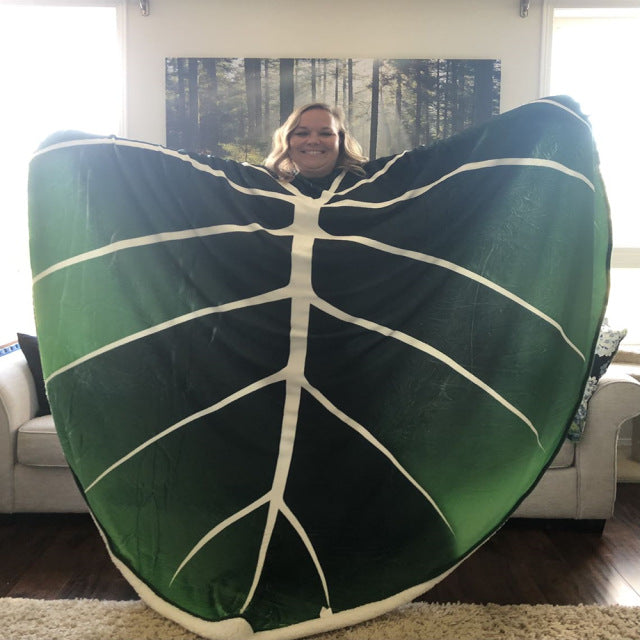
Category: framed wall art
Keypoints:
(229, 107)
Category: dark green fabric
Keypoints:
(284, 406)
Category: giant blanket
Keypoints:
(291, 413)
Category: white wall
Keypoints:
(327, 28)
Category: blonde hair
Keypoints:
(350, 155)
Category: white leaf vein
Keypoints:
(470, 166)
(263, 298)
(371, 439)
(467, 273)
(219, 528)
(428, 349)
(241, 393)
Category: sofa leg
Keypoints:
(548, 524)
(591, 526)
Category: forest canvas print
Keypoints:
(229, 107)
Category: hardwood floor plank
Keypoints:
(526, 562)
(22, 544)
(621, 540)
(596, 578)
(547, 562)
(48, 577)
(515, 566)
(57, 556)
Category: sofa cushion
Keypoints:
(38, 444)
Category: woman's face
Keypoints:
(314, 145)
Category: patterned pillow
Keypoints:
(608, 342)
(8, 348)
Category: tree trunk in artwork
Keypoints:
(448, 97)
(286, 88)
(210, 118)
(439, 127)
(267, 99)
(375, 97)
(417, 120)
(482, 107)
(344, 86)
(254, 97)
(193, 129)
(313, 80)
(181, 102)
(325, 64)
(428, 88)
(350, 91)
(458, 101)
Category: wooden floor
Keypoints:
(526, 562)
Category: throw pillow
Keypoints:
(608, 342)
(29, 346)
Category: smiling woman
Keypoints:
(312, 142)
(52, 88)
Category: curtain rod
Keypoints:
(524, 8)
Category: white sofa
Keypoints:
(34, 475)
(580, 484)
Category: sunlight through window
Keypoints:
(62, 71)
(592, 60)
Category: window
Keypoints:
(592, 58)
(62, 70)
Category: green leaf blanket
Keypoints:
(292, 411)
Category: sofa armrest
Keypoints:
(18, 404)
(615, 400)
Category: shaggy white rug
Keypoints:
(24, 619)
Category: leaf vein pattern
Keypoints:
(194, 162)
(368, 436)
(219, 528)
(263, 298)
(432, 351)
(463, 271)
(297, 525)
(151, 239)
(305, 231)
(395, 158)
(248, 390)
(471, 166)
